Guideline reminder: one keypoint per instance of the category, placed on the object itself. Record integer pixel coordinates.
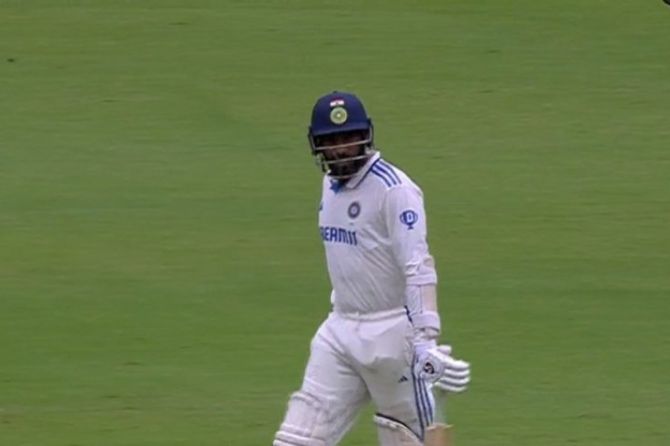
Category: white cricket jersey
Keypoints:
(374, 231)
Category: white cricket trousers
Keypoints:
(356, 358)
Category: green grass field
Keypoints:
(160, 267)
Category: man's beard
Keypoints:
(344, 168)
(347, 169)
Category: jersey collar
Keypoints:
(362, 172)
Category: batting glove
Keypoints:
(437, 367)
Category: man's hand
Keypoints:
(436, 366)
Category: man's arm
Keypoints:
(406, 222)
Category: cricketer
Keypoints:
(379, 343)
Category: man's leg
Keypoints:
(325, 407)
(405, 406)
(395, 433)
(406, 401)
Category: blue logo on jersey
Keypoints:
(354, 209)
(334, 234)
(409, 218)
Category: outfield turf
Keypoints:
(160, 268)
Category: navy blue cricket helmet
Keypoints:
(340, 113)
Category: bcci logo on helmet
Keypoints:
(338, 115)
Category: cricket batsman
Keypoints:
(380, 341)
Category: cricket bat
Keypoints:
(439, 433)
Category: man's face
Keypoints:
(344, 145)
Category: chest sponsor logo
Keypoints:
(333, 234)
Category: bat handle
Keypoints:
(440, 397)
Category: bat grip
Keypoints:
(440, 397)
